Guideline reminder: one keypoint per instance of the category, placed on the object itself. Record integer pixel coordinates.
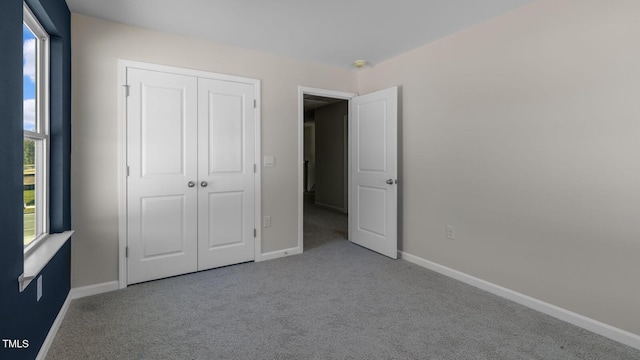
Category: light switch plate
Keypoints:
(269, 161)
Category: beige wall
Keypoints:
(97, 45)
(330, 152)
(524, 134)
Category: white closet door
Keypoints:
(226, 142)
(162, 160)
(373, 206)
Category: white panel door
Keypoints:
(226, 157)
(373, 203)
(162, 160)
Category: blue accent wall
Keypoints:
(21, 316)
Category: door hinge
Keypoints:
(126, 90)
(255, 168)
(126, 252)
(255, 103)
(255, 233)
(128, 170)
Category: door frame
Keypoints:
(302, 91)
(123, 65)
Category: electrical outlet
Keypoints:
(451, 232)
(39, 288)
(267, 221)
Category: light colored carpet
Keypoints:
(335, 301)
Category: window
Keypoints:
(36, 129)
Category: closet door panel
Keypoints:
(226, 128)
(162, 159)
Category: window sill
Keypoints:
(39, 257)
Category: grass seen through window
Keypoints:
(29, 183)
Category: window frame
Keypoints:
(42, 125)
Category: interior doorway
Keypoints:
(325, 184)
(325, 165)
(372, 167)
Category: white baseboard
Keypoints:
(279, 253)
(80, 292)
(46, 345)
(557, 312)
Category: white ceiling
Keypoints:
(332, 32)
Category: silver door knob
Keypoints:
(390, 181)
(204, 184)
(191, 184)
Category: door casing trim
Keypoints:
(123, 65)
